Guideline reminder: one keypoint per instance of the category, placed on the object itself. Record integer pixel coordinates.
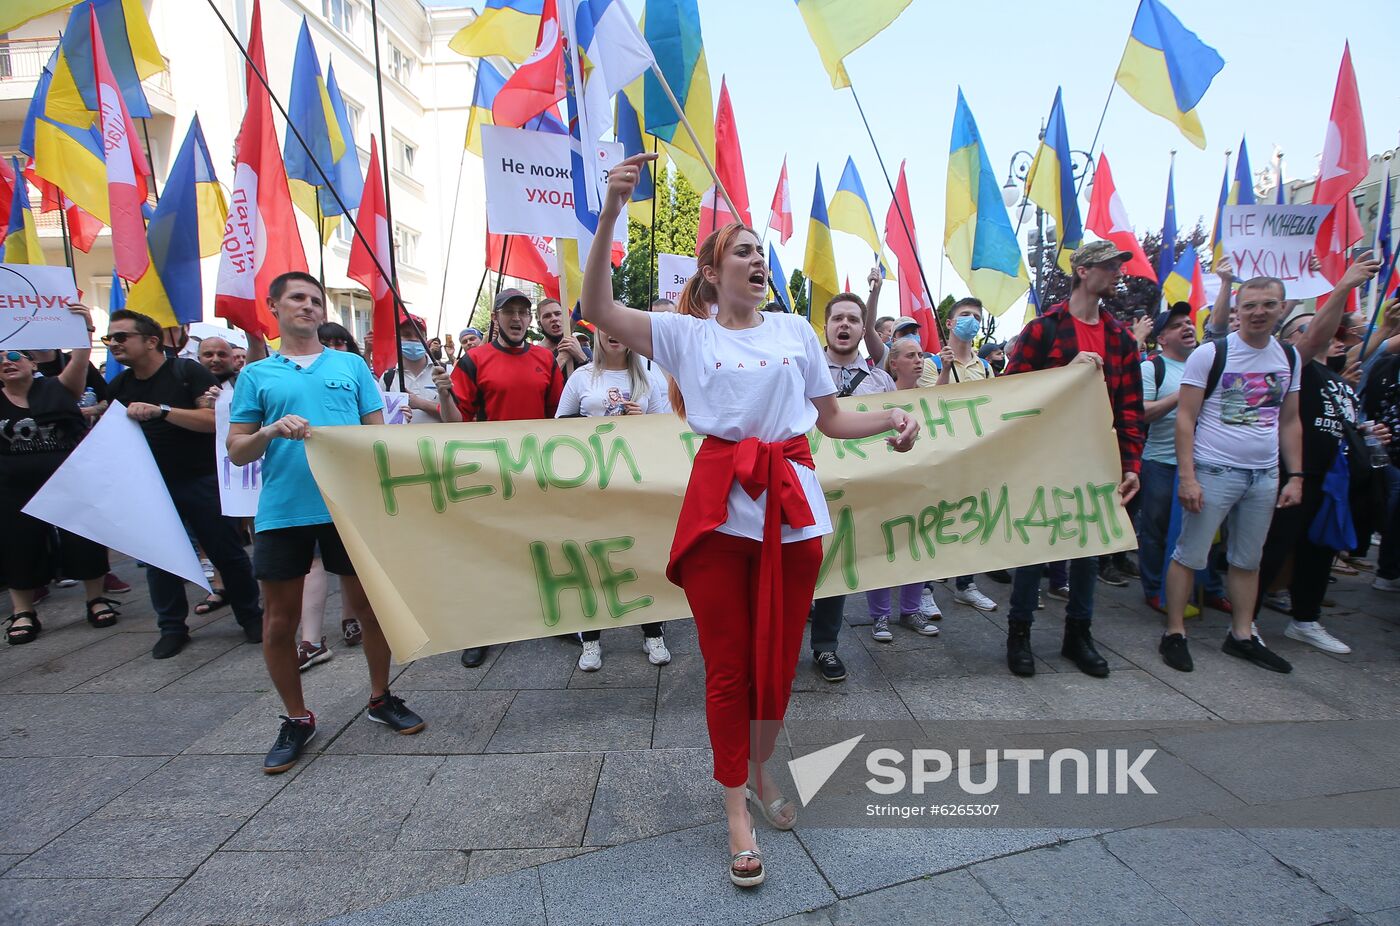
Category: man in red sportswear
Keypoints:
(506, 379)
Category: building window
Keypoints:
(355, 113)
(357, 314)
(400, 64)
(344, 15)
(344, 231)
(404, 153)
(406, 246)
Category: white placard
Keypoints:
(110, 491)
(395, 405)
(529, 186)
(672, 270)
(239, 486)
(1266, 240)
(34, 309)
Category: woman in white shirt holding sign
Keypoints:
(747, 546)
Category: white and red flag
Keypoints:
(780, 213)
(1109, 219)
(1344, 166)
(261, 240)
(127, 168)
(375, 245)
(914, 298)
(729, 165)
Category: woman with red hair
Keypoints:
(748, 542)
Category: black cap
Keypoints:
(1166, 315)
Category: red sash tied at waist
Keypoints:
(757, 467)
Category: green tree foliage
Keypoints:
(797, 289)
(677, 219)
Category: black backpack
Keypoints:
(1222, 356)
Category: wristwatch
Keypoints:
(164, 412)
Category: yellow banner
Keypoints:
(487, 532)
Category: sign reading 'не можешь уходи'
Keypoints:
(486, 532)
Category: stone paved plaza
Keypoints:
(540, 794)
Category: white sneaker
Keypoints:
(1386, 585)
(655, 648)
(927, 606)
(974, 597)
(1313, 633)
(592, 658)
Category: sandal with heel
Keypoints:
(105, 615)
(772, 811)
(751, 877)
(16, 636)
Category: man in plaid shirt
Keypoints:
(1078, 332)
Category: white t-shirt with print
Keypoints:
(601, 393)
(755, 382)
(1238, 423)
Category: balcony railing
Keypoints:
(24, 60)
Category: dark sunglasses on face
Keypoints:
(14, 356)
(119, 337)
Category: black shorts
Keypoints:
(286, 552)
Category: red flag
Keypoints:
(729, 165)
(1344, 166)
(539, 82)
(83, 226)
(7, 192)
(373, 220)
(528, 257)
(914, 300)
(780, 213)
(261, 240)
(1197, 299)
(1108, 219)
(126, 166)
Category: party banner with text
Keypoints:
(487, 532)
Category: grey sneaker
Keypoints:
(881, 630)
(919, 624)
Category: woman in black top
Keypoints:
(40, 424)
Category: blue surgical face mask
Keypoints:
(966, 328)
(413, 350)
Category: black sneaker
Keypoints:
(169, 644)
(1124, 563)
(1109, 575)
(474, 656)
(1174, 652)
(291, 740)
(830, 665)
(394, 714)
(1000, 575)
(1256, 652)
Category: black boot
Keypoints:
(1079, 649)
(1019, 658)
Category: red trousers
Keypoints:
(720, 577)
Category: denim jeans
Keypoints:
(197, 502)
(1025, 590)
(826, 622)
(1244, 497)
(1388, 559)
(1154, 517)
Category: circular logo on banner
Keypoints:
(12, 324)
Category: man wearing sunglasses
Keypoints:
(163, 394)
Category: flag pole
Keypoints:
(320, 239)
(505, 255)
(67, 240)
(150, 160)
(1382, 280)
(653, 288)
(1080, 185)
(451, 231)
(388, 209)
(903, 219)
(689, 130)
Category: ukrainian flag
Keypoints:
(1224, 200)
(212, 204)
(1177, 286)
(1167, 259)
(778, 280)
(672, 29)
(1050, 183)
(18, 12)
(349, 182)
(131, 53)
(311, 113)
(629, 133)
(1167, 69)
(489, 81)
(839, 27)
(67, 156)
(820, 262)
(850, 210)
(21, 244)
(508, 28)
(977, 234)
(1242, 190)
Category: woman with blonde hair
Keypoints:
(747, 546)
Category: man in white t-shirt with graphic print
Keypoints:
(1233, 421)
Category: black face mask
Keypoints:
(1338, 363)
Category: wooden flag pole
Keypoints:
(661, 78)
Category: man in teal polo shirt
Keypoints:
(276, 404)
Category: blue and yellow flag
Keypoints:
(68, 156)
(778, 280)
(819, 264)
(18, 12)
(1216, 249)
(131, 53)
(171, 288)
(489, 80)
(1167, 259)
(1242, 190)
(672, 30)
(349, 181)
(21, 244)
(310, 112)
(977, 234)
(1167, 69)
(209, 195)
(1050, 183)
(1176, 286)
(839, 27)
(629, 132)
(849, 210)
(507, 28)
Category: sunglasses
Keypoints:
(119, 337)
(15, 356)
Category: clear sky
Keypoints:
(1281, 62)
